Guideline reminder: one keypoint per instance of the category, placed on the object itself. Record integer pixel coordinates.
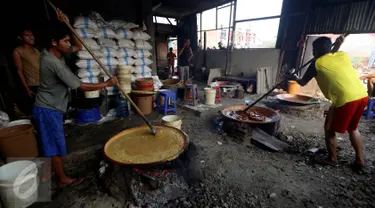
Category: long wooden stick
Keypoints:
(273, 88)
(106, 71)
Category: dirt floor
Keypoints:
(236, 174)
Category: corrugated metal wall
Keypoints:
(356, 17)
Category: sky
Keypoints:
(265, 30)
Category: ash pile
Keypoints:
(152, 186)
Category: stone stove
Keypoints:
(304, 111)
(151, 186)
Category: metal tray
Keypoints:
(297, 99)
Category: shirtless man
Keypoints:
(26, 59)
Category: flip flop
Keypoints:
(325, 161)
(74, 183)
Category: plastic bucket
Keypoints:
(210, 96)
(19, 122)
(92, 94)
(84, 116)
(19, 184)
(146, 84)
(144, 103)
(172, 121)
(293, 87)
(18, 141)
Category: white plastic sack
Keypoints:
(109, 61)
(84, 22)
(142, 44)
(104, 42)
(157, 83)
(111, 69)
(87, 55)
(116, 24)
(87, 64)
(91, 80)
(142, 69)
(88, 73)
(142, 62)
(142, 54)
(92, 44)
(106, 32)
(86, 33)
(126, 61)
(139, 35)
(98, 19)
(126, 52)
(108, 52)
(4, 116)
(123, 33)
(125, 43)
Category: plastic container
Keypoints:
(144, 103)
(122, 109)
(18, 141)
(85, 116)
(172, 121)
(19, 184)
(293, 87)
(92, 94)
(210, 96)
(19, 122)
(146, 84)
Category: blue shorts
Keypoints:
(49, 124)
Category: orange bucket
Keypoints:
(18, 141)
(293, 87)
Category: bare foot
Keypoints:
(325, 161)
(70, 182)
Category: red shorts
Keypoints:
(346, 117)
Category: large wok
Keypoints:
(162, 163)
(272, 115)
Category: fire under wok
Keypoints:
(255, 115)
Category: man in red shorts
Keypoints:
(339, 83)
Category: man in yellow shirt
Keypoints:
(339, 83)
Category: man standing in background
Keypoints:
(26, 59)
(170, 57)
(184, 57)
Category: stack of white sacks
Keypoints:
(142, 55)
(124, 52)
(88, 70)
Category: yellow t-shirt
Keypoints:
(338, 80)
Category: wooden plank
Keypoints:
(265, 140)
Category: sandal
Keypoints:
(325, 161)
(75, 182)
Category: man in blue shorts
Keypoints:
(56, 81)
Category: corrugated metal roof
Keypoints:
(356, 17)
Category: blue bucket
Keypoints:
(84, 116)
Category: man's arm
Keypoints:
(367, 76)
(339, 41)
(191, 54)
(19, 67)
(76, 44)
(310, 73)
(73, 82)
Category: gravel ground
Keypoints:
(241, 174)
